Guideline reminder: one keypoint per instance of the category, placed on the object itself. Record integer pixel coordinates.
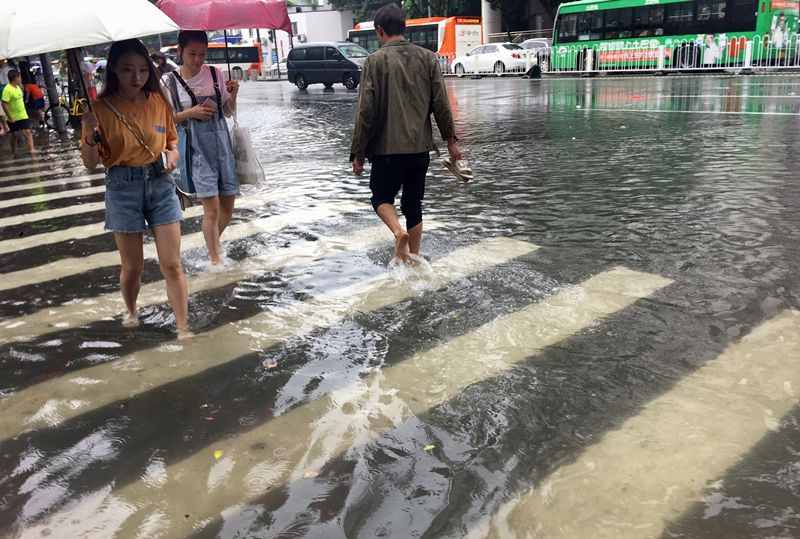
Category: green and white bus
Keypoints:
(662, 35)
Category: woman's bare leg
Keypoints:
(168, 245)
(211, 227)
(226, 204)
(130, 276)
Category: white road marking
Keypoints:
(52, 214)
(97, 229)
(38, 199)
(637, 479)
(227, 342)
(50, 183)
(44, 173)
(74, 266)
(419, 383)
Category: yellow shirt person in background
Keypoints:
(13, 99)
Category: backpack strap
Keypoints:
(189, 91)
(217, 91)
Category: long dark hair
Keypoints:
(185, 37)
(118, 50)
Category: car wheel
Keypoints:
(499, 68)
(460, 71)
(350, 82)
(300, 82)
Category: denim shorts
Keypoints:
(137, 200)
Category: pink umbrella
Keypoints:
(228, 14)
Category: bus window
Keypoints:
(657, 20)
(424, 36)
(680, 19)
(619, 23)
(567, 29)
(590, 26)
(742, 15)
(711, 15)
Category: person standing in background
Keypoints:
(13, 99)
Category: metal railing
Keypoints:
(648, 55)
(519, 37)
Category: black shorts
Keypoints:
(21, 125)
(390, 173)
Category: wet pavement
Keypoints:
(605, 342)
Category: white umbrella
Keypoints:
(36, 27)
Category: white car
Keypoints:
(497, 58)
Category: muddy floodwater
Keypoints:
(605, 342)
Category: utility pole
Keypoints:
(52, 93)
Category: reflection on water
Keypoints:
(624, 261)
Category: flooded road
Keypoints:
(605, 343)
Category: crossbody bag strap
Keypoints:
(189, 91)
(136, 133)
(217, 91)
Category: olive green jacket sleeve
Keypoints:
(440, 105)
(366, 114)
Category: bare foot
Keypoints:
(185, 335)
(130, 320)
(401, 247)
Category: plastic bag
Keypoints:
(248, 169)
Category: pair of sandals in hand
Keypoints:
(460, 169)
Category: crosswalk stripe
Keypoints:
(43, 173)
(77, 209)
(417, 384)
(62, 154)
(74, 266)
(638, 478)
(50, 183)
(117, 385)
(97, 229)
(26, 167)
(223, 346)
(74, 233)
(37, 199)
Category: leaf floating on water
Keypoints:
(430, 448)
(310, 474)
(270, 364)
(217, 454)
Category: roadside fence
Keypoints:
(648, 55)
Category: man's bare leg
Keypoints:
(415, 239)
(388, 215)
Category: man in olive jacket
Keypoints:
(401, 85)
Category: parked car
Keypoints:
(326, 63)
(539, 49)
(497, 58)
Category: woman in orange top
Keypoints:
(132, 133)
